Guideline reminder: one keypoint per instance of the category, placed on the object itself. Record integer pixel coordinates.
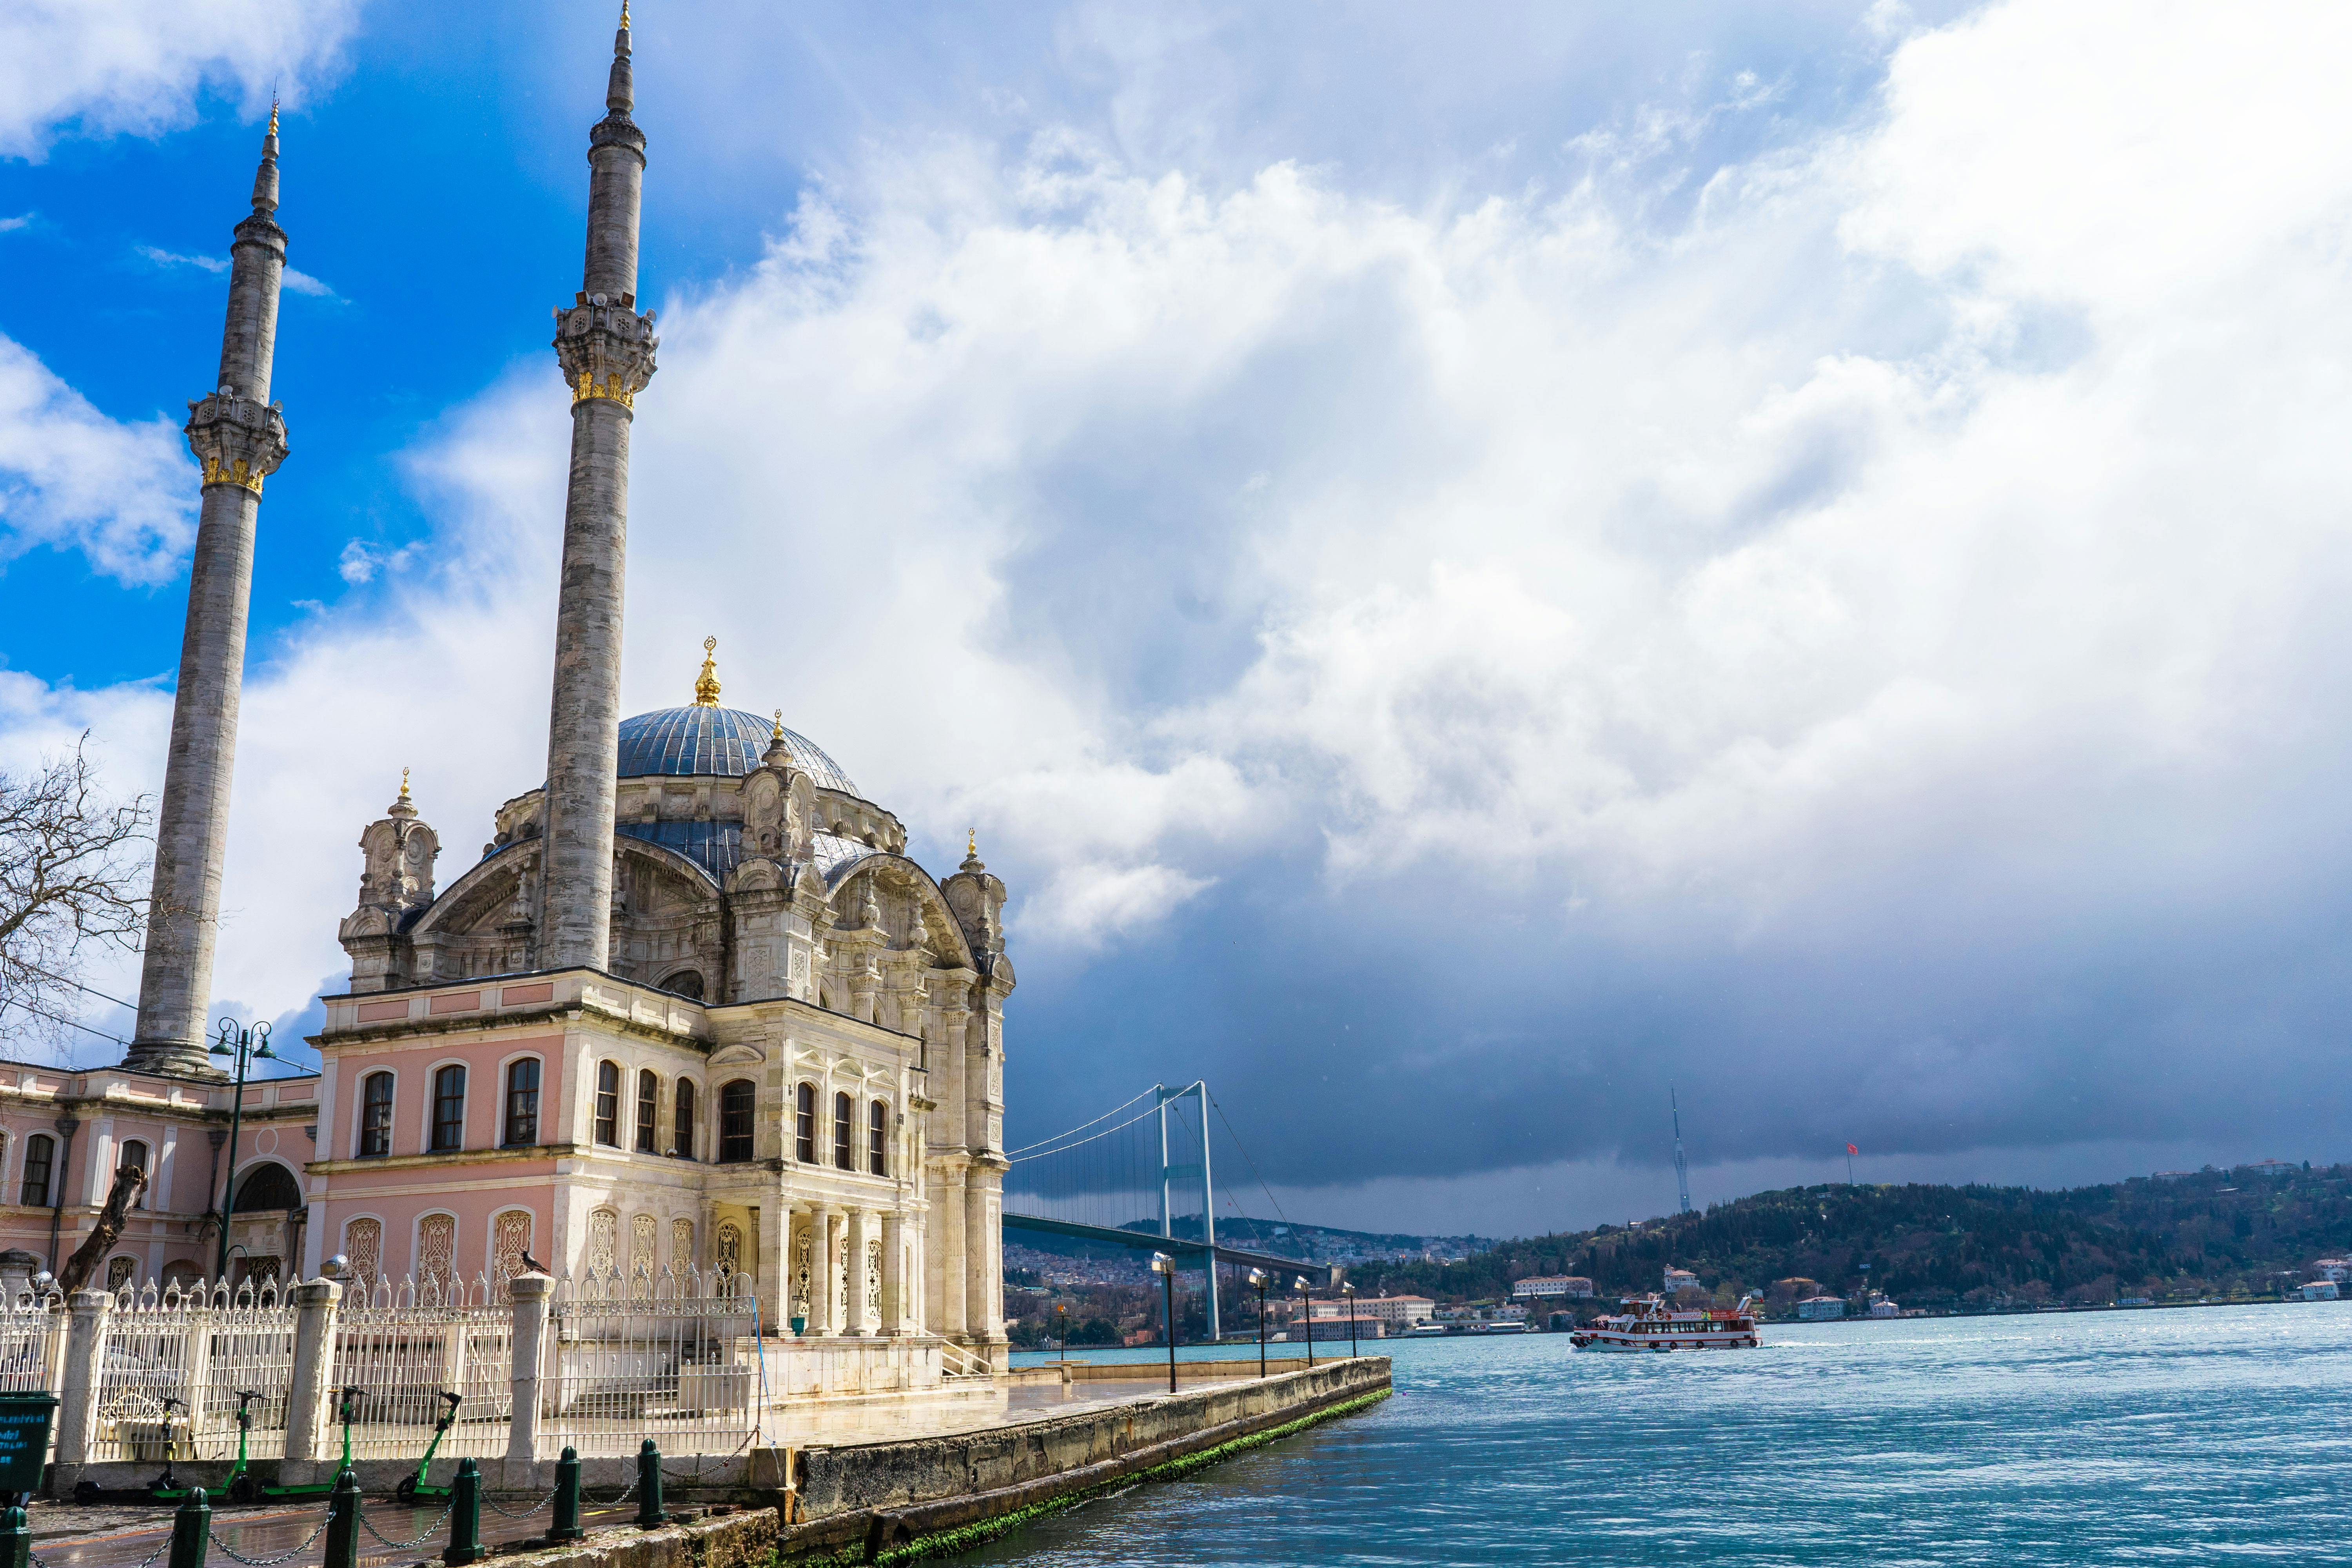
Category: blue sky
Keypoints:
(1466, 563)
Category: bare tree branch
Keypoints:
(73, 873)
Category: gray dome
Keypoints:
(726, 742)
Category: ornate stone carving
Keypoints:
(607, 350)
(237, 439)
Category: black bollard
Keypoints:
(192, 1528)
(567, 1496)
(465, 1516)
(15, 1540)
(344, 1522)
(649, 1508)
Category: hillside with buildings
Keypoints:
(2179, 1235)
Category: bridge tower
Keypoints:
(1198, 1092)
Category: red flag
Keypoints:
(1852, 1150)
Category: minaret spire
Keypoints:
(606, 349)
(238, 437)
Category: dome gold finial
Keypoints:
(273, 116)
(706, 685)
(624, 16)
(778, 733)
(971, 842)
(403, 783)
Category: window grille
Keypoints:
(736, 1105)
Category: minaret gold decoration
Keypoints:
(606, 349)
(238, 437)
(706, 685)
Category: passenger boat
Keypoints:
(1651, 1325)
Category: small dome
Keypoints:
(726, 742)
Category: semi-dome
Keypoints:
(726, 742)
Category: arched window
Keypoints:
(449, 1108)
(265, 1187)
(737, 1102)
(841, 1132)
(686, 983)
(522, 1102)
(681, 1142)
(648, 1111)
(804, 1124)
(878, 1123)
(608, 1104)
(135, 1158)
(40, 1149)
(375, 1116)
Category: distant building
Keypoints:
(1678, 1277)
(1402, 1310)
(2337, 1269)
(1882, 1308)
(1817, 1308)
(2270, 1168)
(1323, 1329)
(2321, 1291)
(1542, 1285)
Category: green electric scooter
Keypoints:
(411, 1488)
(352, 1396)
(163, 1491)
(164, 1488)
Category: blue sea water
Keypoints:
(2209, 1435)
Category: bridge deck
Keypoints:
(1174, 1246)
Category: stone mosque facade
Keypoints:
(693, 1008)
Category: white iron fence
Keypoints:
(675, 1359)
(173, 1364)
(401, 1350)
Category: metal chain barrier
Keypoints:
(159, 1551)
(404, 1545)
(608, 1503)
(264, 1561)
(492, 1504)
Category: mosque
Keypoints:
(692, 1008)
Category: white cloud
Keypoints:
(123, 494)
(22, 220)
(137, 67)
(298, 281)
(170, 258)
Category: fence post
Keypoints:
(15, 1539)
(566, 1526)
(465, 1516)
(84, 1367)
(192, 1528)
(344, 1522)
(311, 1393)
(649, 1498)
(528, 1293)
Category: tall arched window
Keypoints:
(682, 1142)
(134, 1157)
(268, 1186)
(648, 1111)
(841, 1132)
(877, 1123)
(737, 1102)
(522, 1102)
(40, 1151)
(608, 1104)
(804, 1124)
(449, 1108)
(375, 1116)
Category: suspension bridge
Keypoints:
(1141, 1175)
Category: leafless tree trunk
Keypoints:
(128, 1180)
(73, 872)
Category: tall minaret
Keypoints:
(606, 349)
(239, 437)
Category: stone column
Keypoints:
(309, 1399)
(239, 437)
(853, 1267)
(954, 1321)
(607, 350)
(980, 1313)
(894, 1274)
(822, 1271)
(79, 1377)
(529, 1293)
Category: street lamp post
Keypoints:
(1306, 1316)
(1257, 1277)
(1062, 1316)
(1347, 1292)
(1165, 1267)
(247, 1045)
